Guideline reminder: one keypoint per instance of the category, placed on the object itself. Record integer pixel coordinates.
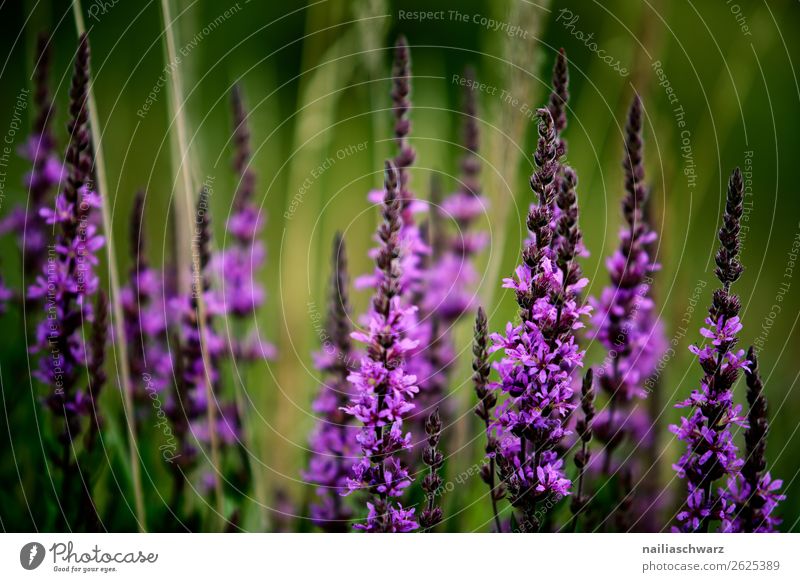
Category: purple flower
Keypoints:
(46, 173)
(68, 282)
(198, 361)
(144, 309)
(237, 266)
(452, 278)
(624, 319)
(540, 355)
(333, 441)
(711, 454)
(382, 389)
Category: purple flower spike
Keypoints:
(452, 279)
(624, 321)
(711, 454)
(144, 308)
(333, 442)
(383, 391)
(237, 267)
(754, 491)
(46, 171)
(68, 282)
(540, 355)
(196, 367)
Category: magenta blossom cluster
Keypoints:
(237, 267)
(540, 354)
(68, 280)
(383, 389)
(624, 321)
(144, 304)
(707, 429)
(422, 360)
(451, 280)
(333, 441)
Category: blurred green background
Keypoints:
(315, 78)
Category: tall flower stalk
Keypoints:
(451, 280)
(195, 410)
(429, 355)
(238, 265)
(754, 490)
(624, 321)
(383, 390)
(711, 454)
(333, 441)
(487, 400)
(144, 306)
(240, 294)
(540, 354)
(124, 375)
(68, 283)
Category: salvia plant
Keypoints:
(566, 446)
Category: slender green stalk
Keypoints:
(183, 222)
(113, 275)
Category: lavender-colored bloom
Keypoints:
(45, 174)
(200, 351)
(624, 321)
(540, 354)
(431, 353)
(451, 280)
(333, 442)
(145, 320)
(68, 281)
(383, 390)
(754, 491)
(707, 429)
(238, 265)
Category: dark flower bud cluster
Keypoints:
(431, 516)
(754, 490)
(559, 98)
(583, 428)
(487, 400)
(401, 105)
